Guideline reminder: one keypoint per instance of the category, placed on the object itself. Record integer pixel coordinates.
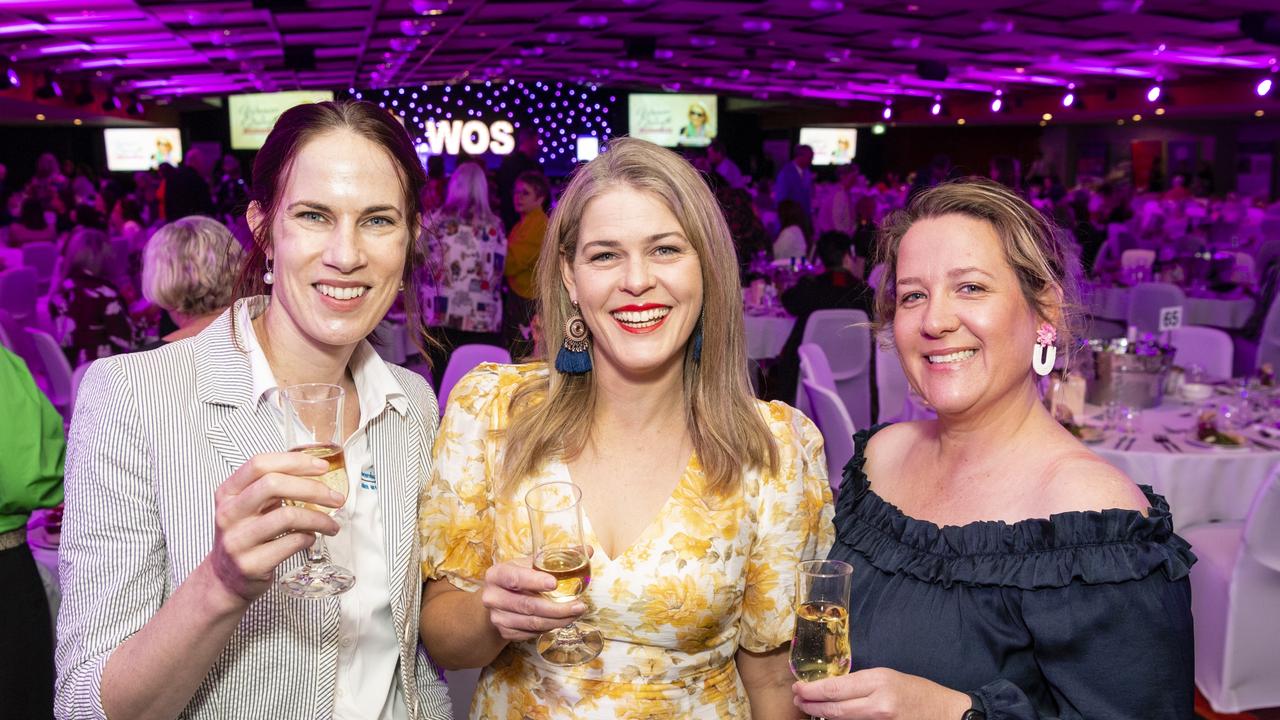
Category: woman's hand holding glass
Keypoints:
(882, 694)
(254, 531)
(512, 594)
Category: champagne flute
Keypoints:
(313, 425)
(555, 523)
(820, 648)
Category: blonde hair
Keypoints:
(1038, 251)
(190, 266)
(553, 415)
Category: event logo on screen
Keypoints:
(253, 115)
(134, 149)
(672, 119)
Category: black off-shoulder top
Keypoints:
(1082, 615)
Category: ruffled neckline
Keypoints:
(1091, 547)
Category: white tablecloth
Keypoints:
(766, 334)
(1201, 484)
(1112, 303)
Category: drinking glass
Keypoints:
(820, 647)
(313, 425)
(555, 523)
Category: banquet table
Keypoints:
(1202, 484)
(767, 333)
(1227, 312)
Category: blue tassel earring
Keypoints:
(573, 357)
(697, 343)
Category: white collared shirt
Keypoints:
(368, 650)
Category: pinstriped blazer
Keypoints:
(154, 435)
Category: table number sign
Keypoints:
(1170, 318)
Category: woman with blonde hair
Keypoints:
(699, 500)
(466, 249)
(1002, 570)
(190, 268)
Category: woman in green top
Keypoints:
(33, 446)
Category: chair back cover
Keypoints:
(846, 340)
(1137, 258)
(1262, 527)
(42, 256)
(463, 359)
(18, 290)
(891, 384)
(1210, 348)
(836, 427)
(1269, 339)
(56, 368)
(1146, 300)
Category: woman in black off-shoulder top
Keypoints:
(1001, 570)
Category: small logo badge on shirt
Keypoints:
(368, 481)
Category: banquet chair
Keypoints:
(1146, 300)
(463, 359)
(836, 428)
(846, 341)
(57, 370)
(1243, 271)
(1235, 593)
(1269, 338)
(891, 385)
(42, 256)
(19, 288)
(1138, 258)
(1210, 348)
(76, 377)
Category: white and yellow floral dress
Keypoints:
(706, 577)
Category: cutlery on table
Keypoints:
(1168, 444)
(1132, 439)
(1120, 442)
(1263, 445)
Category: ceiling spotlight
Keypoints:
(112, 103)
(997, 103)
(50, 90)
(9, 79)
(1153, 94)
(1264, 87)
(1069, 99)
(936, 109)
(888, 110)
(136, 108)
(85, 96)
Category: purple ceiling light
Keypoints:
(826, 5)
(1153, 94)
(1070, 98)
(1264, 87)
(9, 79)
(937, 105)
(888, 110)
(997, 103)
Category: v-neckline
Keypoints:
(589, 526)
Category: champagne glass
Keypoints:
(820, 648)
(555, 522)
(313, 425)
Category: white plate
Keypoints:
(1195, 441)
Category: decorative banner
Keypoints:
(1170, 318)
(133, 149)
(671, 119)
(253, 115)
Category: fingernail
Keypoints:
(319, 464)
(337, 497)
(579, 608)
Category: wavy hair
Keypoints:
(552, 415)
(1038, 251)
(190, 266)
(468, 196)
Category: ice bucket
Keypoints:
(1124, 372)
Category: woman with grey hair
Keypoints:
(189, 268)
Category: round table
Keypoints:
(1231, 313)
(766, 334)
(1202, 484)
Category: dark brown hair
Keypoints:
(537, 182)
(294, 129)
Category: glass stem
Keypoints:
(316, 553)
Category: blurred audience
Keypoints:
(532, 195)
(90, 317)
(189, 269)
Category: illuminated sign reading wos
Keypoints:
(472, 137)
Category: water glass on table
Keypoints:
(313, 425)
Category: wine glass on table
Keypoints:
(820, 645)
(313, 425)
(555, 523)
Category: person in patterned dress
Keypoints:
(90, 317)
(699, 500)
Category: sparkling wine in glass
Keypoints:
(555, 523)
(313, 425)
(820, 647)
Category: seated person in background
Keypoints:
(190, 268)
(33, 446)
(31, 225)
(701, 499)
(792, 242)
(1000, 565)
(836, 288)
(90, 316)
